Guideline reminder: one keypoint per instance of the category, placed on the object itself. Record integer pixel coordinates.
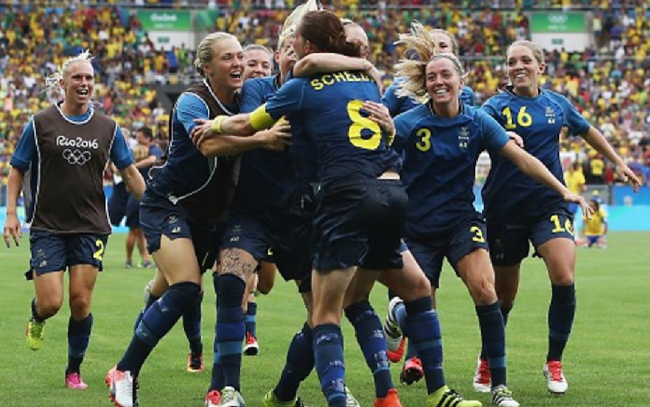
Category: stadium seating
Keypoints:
(608, 83)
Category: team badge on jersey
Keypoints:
(550, 115)
(463, 137)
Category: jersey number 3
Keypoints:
(524, 119)
(360, 123)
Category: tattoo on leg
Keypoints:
(233, 264)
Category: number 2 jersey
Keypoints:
(440, 162)
(329, 108)
(508, 193)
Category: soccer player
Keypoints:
(258, 63)
(66, 147)
(595, 228)
(184, 200)
(441, 142)
(360, 215)
(575, 181)
(519, 210)
(396, 104)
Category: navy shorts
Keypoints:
(265, 235)
(117, 204)
(454, 244)
(158, 217)
(360, 223)
(56, 252)
(508, 239)
(132, 212)
(592, 240)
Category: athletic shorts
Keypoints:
(592, 240)
(56, 252)
(265, 235)
(360, 223)
(132, 212)
(453, 244)
(158, 217)
(509, 239)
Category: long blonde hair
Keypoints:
(420, 43)
(290, 24)
(53, 82)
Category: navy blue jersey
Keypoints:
(264, 177)
(439, 164)
(397, 105)
(187, 175)
(329, 107)
(155, 151)
(508, 193)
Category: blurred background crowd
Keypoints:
(609, 82)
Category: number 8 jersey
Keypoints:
(508, 193)
(329, 109)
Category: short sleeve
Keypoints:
(403, 128)
(573, 119)
(287, 100)
(189, 107)
(120, 153)
(493, 135)
(467, 96)
(251, 96)
(389, 99)
(25, 149)
(490, 107)
(155, 151)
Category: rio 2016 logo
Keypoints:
(78, 142)
(73, 155)
(558, 18)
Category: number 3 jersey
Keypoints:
(439, 164)
(329, 107)
(508, 193)
(68, 155)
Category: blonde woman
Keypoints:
(67, 147)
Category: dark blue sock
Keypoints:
(78, 338)
(411, 352)
(251, 318)
(150, 300)
(328, 354)
(560, 319)
(299, 364)
(217, 370)
(423, 330)
(370, 337)
(505, 311)
(493, 338)
(155, 324)
(35, 315)
(231, 328)
(192, 326)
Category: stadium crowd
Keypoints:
(607, 83)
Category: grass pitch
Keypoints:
(607, 361)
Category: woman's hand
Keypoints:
(380, 115)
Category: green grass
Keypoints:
(607, 361)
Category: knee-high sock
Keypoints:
(251, 318)
(300, 362)
(155, 324)
(505, 312)
(78, 339)
(231, 328)
(150, 300)
(561, 313)
(192, 326)
(330, 365)
(371, 339)
(423, 330)
(493, 338)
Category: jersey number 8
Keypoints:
(359, 123)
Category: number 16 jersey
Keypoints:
(508, 193)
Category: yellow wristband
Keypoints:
(216, 123)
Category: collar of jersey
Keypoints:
(78, 120)
(221, 105)
(510, 89)
(462, 117)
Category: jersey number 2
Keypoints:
(99, 254)
(359, 123)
